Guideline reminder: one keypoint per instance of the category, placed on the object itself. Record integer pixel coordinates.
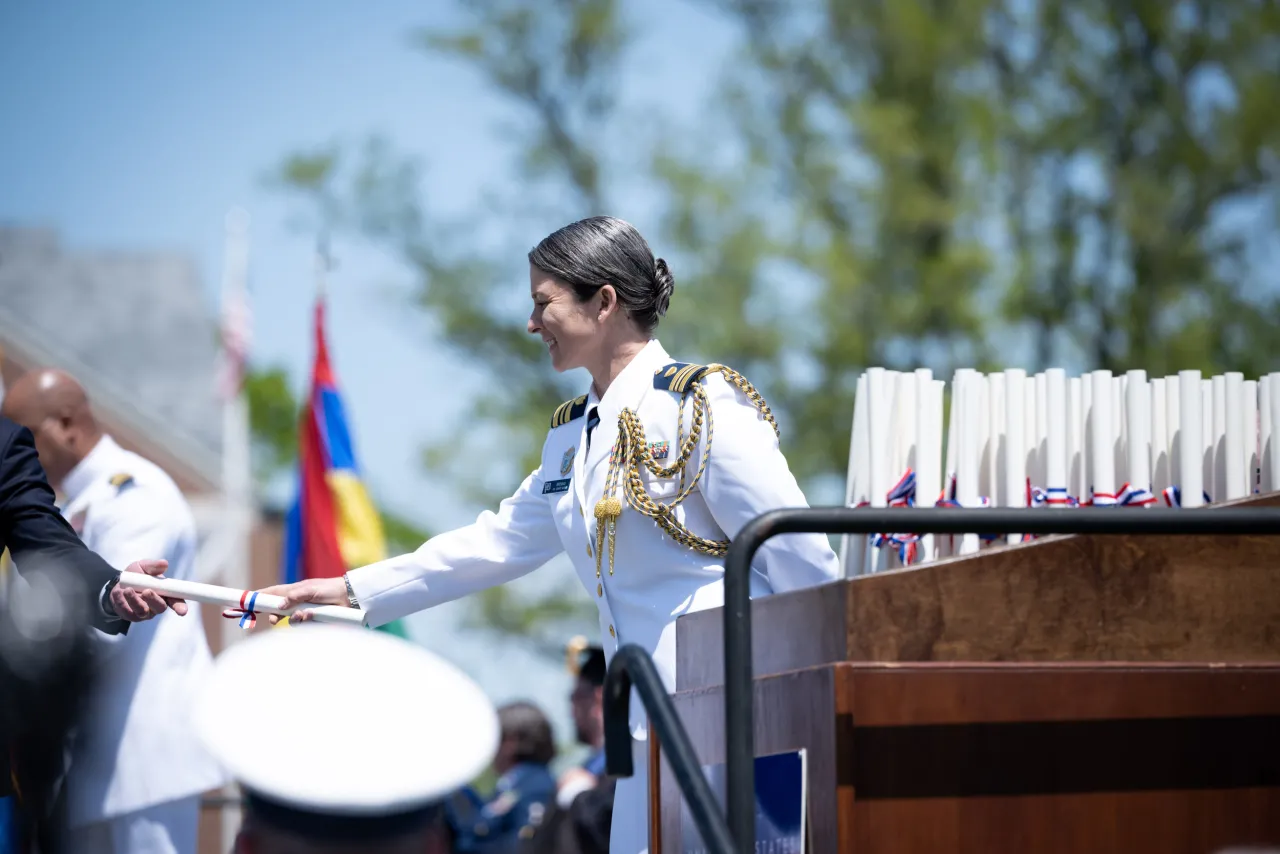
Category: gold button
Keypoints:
(599, 589)
(581, 512)
(589, 552)
(612, 633)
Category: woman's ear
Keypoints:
(608, 301)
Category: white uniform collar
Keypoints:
(630, 382)
(95, 464)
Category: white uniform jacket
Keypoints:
(655, 579)
(134, 747)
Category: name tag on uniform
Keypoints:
(553, 486)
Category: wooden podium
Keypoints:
(1071, 694)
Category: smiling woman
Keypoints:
(643, 480)
(585, 271)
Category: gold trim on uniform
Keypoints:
(631, 451)
(570, 410)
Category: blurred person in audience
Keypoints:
(136, 770)
(578, 822)
(524, 791)
(423, 728)
(634, 483)
(49, 581)
(586, 704)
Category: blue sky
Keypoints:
(138, 125)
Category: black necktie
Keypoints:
(593, 418)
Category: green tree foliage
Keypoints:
(1140, 156)
(977, 183)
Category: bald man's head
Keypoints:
(53, 406)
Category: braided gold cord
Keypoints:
(630, 451)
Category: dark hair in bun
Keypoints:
(605, 250)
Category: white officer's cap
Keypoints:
(341, 732)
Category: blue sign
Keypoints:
(781, 800)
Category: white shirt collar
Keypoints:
(630, 381)
(89, 469)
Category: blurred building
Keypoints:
(137, 329)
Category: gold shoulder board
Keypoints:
(678, 376)
(568, 411)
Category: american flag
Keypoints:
(235, 347)
(236, 319)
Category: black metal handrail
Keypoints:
(632, 665)
(738, 694)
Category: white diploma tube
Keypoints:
(1055, 440)
(1173, 426)
(1076, 474)
(1015, 456)
(1102, 445)
(1159, 438)
(1273, 380)
(1235, 459)
(1190, 443)
(1218, 441)
(928, 459)
(1252, 455)
(1040, 475)
(995, 463)
(227, 597)
(1138, 445)
(1207, 436)
(969, 392)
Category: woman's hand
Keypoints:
(317, 591)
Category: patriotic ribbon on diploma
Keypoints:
(948, 499)
(1173, 496)
(244, 605)
(245, 613)
(1135, 496)
(903, 494)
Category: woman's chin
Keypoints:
(558, 362)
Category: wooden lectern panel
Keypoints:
(1061, 598)
(1082, 757)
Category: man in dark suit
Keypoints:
(61, 578)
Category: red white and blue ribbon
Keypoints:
(948, 499)
(1173, 496)
(245, 613)
(1135, 496)
(903, 494)
(1099, 499)
(1054, 496)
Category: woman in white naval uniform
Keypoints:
(643, 480)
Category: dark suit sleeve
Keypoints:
(34, 529)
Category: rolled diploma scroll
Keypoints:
(1265, 482)
(1055, 431)
(1273, 427)
(1137, 410)
(1173, 427)
(1102, 440)
(1015, 446)
(1236, 460)
(228, 597)
(1190, 444)
(1249, 432)
(1218, 440)
(1159, 438)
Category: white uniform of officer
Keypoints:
(359, 753)
(646, 579)
(137, 771)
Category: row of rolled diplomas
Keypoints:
(1014, 439)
